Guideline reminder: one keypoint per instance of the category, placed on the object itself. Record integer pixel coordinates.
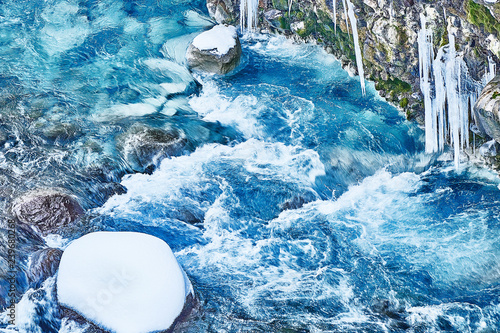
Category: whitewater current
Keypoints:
(298, 205)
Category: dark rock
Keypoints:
(181, 324)
(47, 210)
(44, 264)
(297, 201)
(486, 110)
(144, 147)
(62, 132)
(215, 55)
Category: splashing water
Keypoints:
(298, 205)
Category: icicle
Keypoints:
(493, 68)
(357, 49)
(444, 13)
(425, 55)
(391, 13)
(345, 14)
(248, 14)
(453, 97)
(490, 72)
(448, 92)
(335, 15)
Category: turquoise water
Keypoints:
(297, 204)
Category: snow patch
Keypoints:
(220, 39)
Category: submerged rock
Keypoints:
(122, 282)
(62, 132)
(47, 210)
(217, 50)
(44, 264)
(486, 110)
(143, 147)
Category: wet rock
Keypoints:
(221, 10)
(144, 147)
(47, 210)
(44, 264)
(489, 149)
(62, 132)
(217, 50)
(297, 201)
(3, 137)
(486, 110)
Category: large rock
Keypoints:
(47, 210)
(217, 50)
(123, 282)
(486, 110)
(43, 264)
(221, 10)
(143, 147)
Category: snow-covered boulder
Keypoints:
(217, 50)
(47, 209)
(123, 282)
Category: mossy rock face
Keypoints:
(280, 4)
(481, 16)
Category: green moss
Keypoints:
(394, 86)
(284, 23)
(280, 4)
(403, 37)
(480, 15)
(444, 37)
(403, 103)
(495, 94)
(339, 40)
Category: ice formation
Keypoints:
(248, 14)
(334, 5)
(449, 92)
(357, 49)
(126, 282)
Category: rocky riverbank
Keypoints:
(388, 34)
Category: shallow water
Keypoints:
(298, 205)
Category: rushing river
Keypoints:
(299, 205)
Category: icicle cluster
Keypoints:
(248, 14)
(349, 12)
(449, 93)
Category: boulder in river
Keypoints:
(43, 264)
(217, 50)
(47, 210)
(143, 146)
(487, 110)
